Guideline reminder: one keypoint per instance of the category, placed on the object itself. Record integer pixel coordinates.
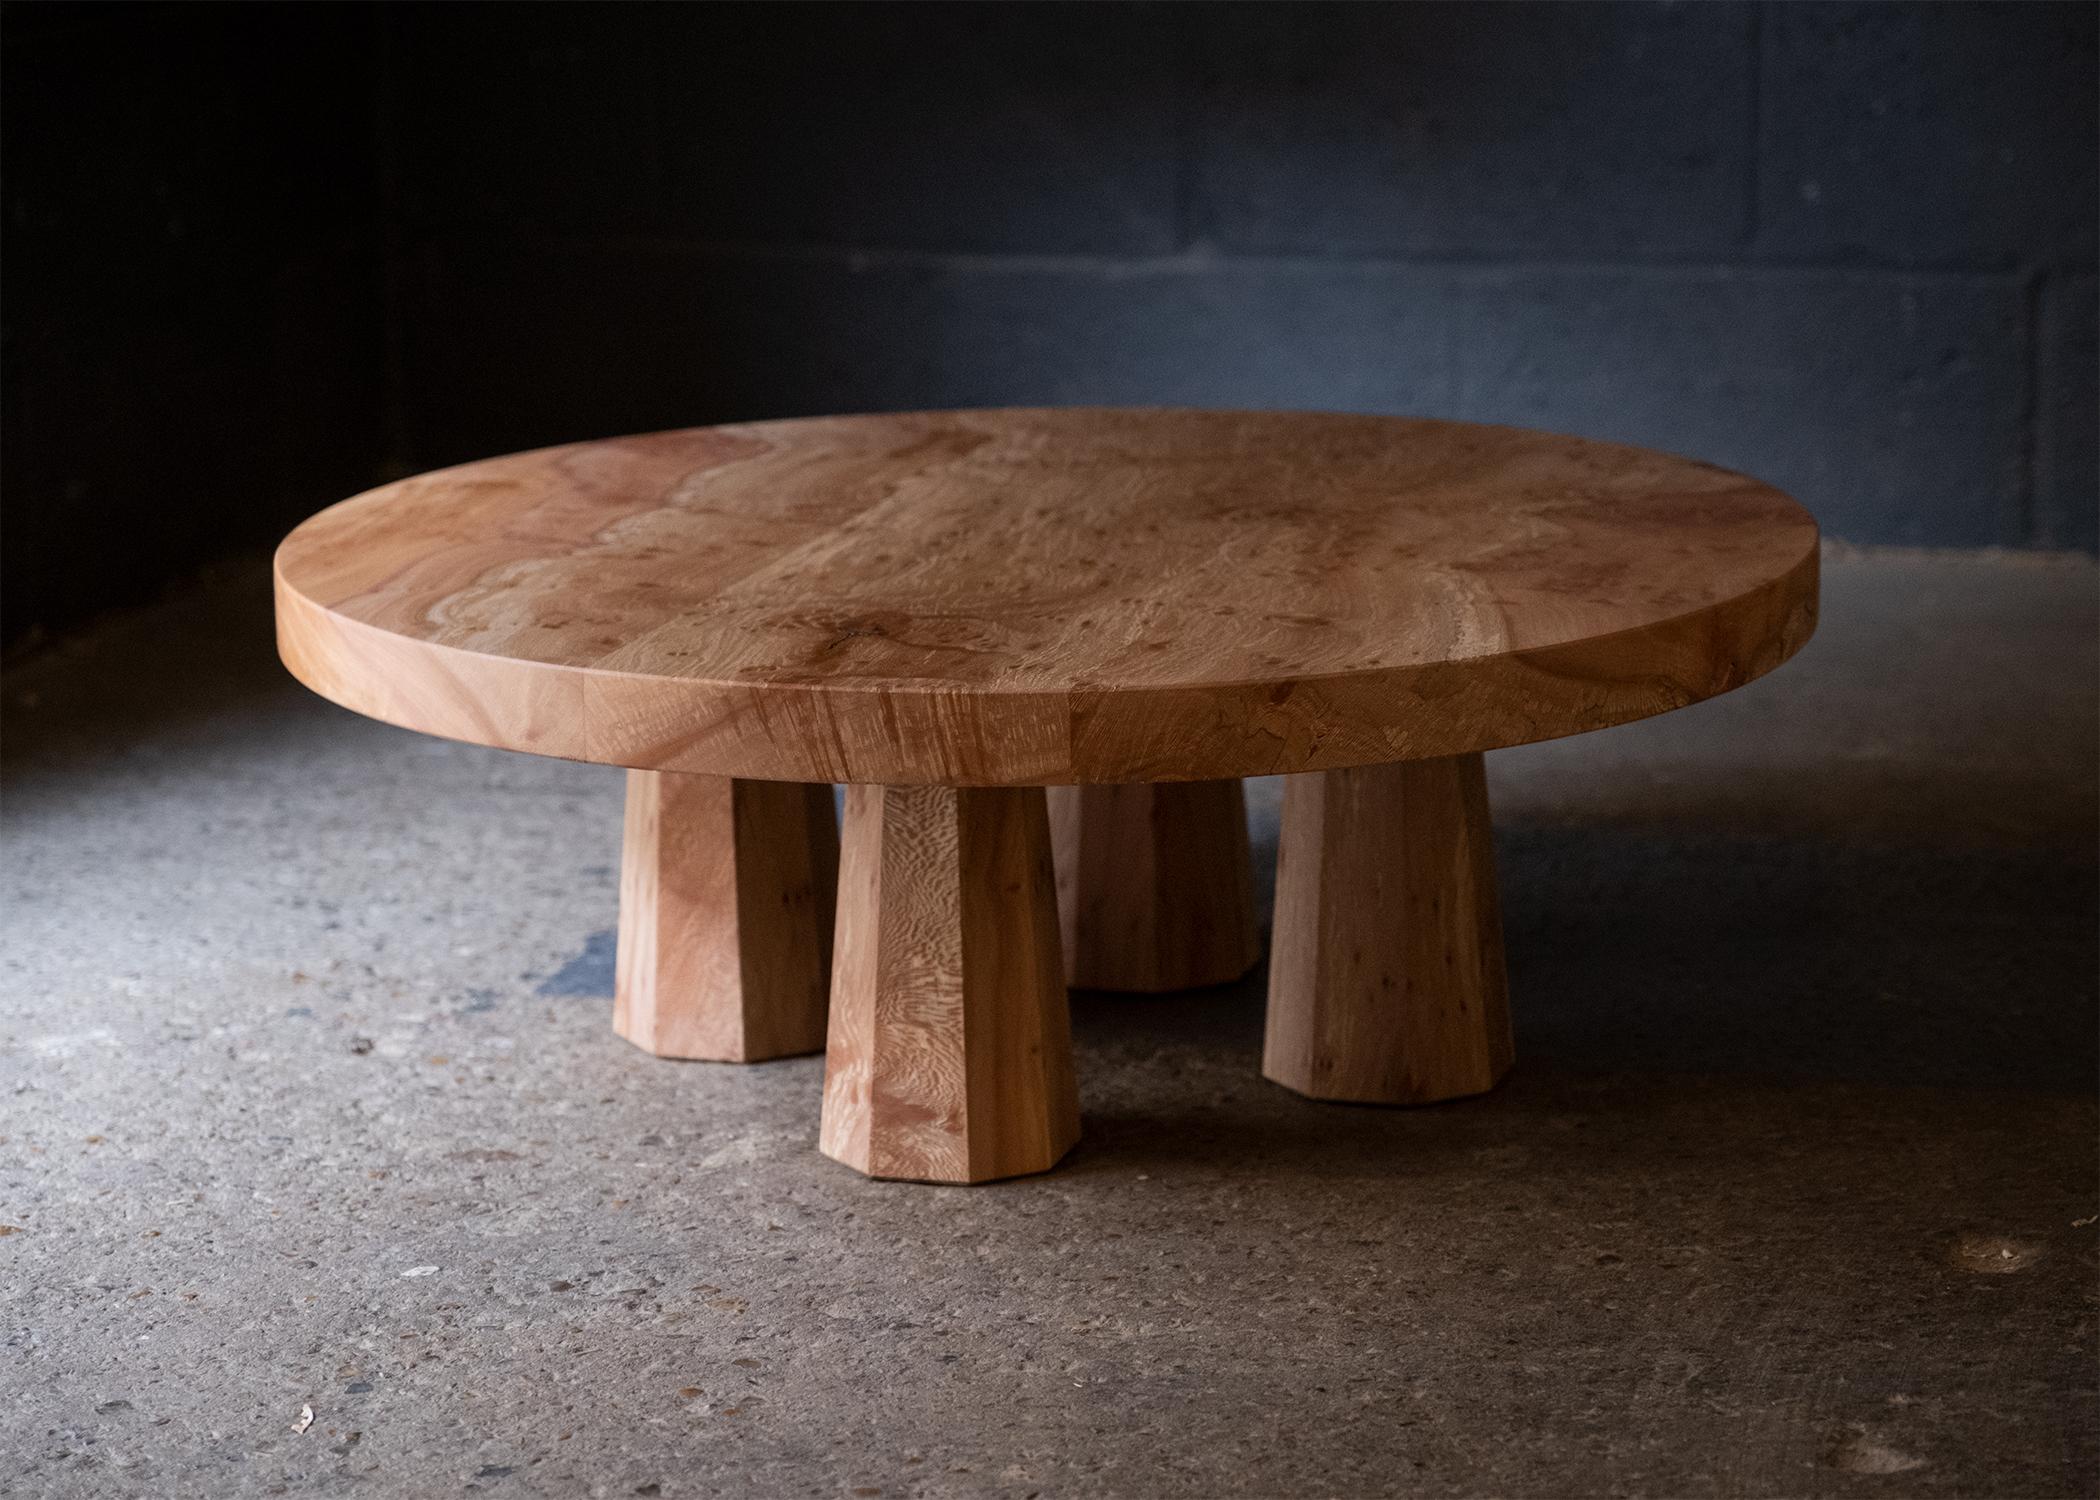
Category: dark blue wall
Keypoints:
(1846, 247)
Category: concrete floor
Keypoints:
(309, 1099)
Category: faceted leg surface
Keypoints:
(1155, 890)
(950, 1056)
(726, 902)
(1386, 978)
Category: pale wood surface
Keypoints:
(726, 913)
(950, 1056)
(1155, 887)
(1386, 979)
(1050, 596)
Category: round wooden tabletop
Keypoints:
(1034, 597)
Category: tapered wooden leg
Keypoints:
(951, 1052)
(1155, 890)
(1386, 978)
(726, 901)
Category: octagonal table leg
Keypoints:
(950, 1057)
(726, 902)
(1155, 890)
(1386, 977)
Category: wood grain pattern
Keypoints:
(726, 912)
(950, 1057)
(1386, 979)
(1036, 597)
(1155, 888)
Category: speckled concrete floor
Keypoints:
(309, 1100)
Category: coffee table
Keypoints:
(951, 612)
